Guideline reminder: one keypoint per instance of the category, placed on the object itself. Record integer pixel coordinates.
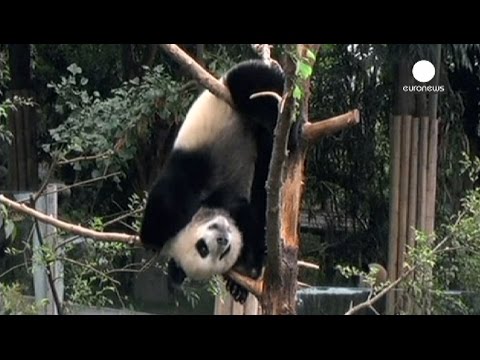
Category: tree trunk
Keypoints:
(280, 288)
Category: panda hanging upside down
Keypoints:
(207, 209)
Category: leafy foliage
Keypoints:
(13, 301)
(89, 280)
(96, 125)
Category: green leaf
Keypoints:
(297, 93)
(135, 81)
(311, 55)
(9, 229)
(74, 69)
(305, 70)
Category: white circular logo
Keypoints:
(423, 71)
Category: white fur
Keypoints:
(182, 248)
(211, 125)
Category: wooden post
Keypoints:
(47, 204)
(412, 191)
(404, 186)
(22, 164)
(422, 173)
(395, 131)
(227, 306)
(431, 177)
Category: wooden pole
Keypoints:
(395, 132)
(404, 186)
(422, 173)
(412, 191)
(47, 204)
(431, 177)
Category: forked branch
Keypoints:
(312, 130)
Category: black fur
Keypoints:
(184, 185)
(175, 197)
(251, 77)
(243, 80)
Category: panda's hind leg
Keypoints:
(253, 254)
(238, 292)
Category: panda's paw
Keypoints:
(239, 293)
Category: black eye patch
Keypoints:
(202, 248)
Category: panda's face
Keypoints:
(215, 238)
(209, 245)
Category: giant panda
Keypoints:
(216, 173)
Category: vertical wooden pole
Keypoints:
(412, 191)
(252, 306)
(22, 164)
(422, 173)
(227, 306)
(40, 282)
(223, 305)
(404, 187)
(431, 177)
(395, 132)
(48, 205)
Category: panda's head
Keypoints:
(209, 245)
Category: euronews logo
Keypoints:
(423, 71)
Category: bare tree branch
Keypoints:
(23, 264)
(86, 182)
(373, 300)
(313, 131)
(370, 302)
(124, 216)
(253, 286)
(90, 267)
(304, 285)
(85, 158)
(308, 265)
(199, 73)
(75, 229)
